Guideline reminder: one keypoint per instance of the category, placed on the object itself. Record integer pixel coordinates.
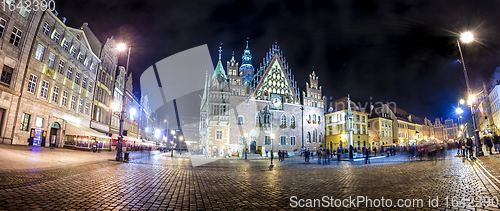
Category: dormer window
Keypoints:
(78, 37)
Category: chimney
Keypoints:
(64, 20)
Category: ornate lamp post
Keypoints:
(119, 157)
(469, 37)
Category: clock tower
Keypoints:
(246, 68)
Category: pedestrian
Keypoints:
(279, 155)
(351, 151)
(328, 155)
(464, 143)
(364, 149)
(459, 147)
(488, 143)
(496, 142)
(318, 153)
(307, 153)
(367, 156)
(338, 155)
(469, 147)
(375, 150)
(272, 157)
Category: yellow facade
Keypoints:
(380, 131)
(337, 135)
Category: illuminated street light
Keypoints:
(119, 156)
(115, 106)
(462, 127)
(132, 113)
(467, 37)
(172, 132)
(472, 98)
(181, 138)
(147, 129)
(157, 133)
(122, 47)
(459, 110)
(462, 101)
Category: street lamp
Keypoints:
(119, 157)
(459, 110)
(469, 37)
(462, 101)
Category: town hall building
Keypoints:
(260, 109)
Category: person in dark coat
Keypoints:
(487, 141)
(496, 142)
(351, 151)
(367, 156)
(469, 147)
(375, 150)
(279, 155)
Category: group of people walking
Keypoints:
(465, 148)
(282, 154)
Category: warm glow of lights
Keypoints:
(122, 46)
(132, 113)
(462, 127)
(172, 132)
(467, 37)
(472, 97)
(462, 101)
(459, 110)
(272, 136)
(115, 106)
(157, 133)
(181, 138)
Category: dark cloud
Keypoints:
(393, 50)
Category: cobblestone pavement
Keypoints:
(160, 182)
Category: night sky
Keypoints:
(399, 51)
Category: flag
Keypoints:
(481, 108)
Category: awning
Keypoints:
(78, 130)
(127, 138)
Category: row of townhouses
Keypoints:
(58, 84)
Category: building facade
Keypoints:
(337, 125)
(58, 90)
(18, 29)
(103, 95)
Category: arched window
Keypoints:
(319, 119)
(308, 137)
(310, 117)
(283, 121)
(240, 120)
(314, 117)
(292, 122)
(257, 119)
(320, 137)
(314, 136)
(267, 119)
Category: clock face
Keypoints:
(276, 101)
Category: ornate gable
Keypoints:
(275, 78)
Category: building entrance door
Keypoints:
(54, 127)
(253, 146)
